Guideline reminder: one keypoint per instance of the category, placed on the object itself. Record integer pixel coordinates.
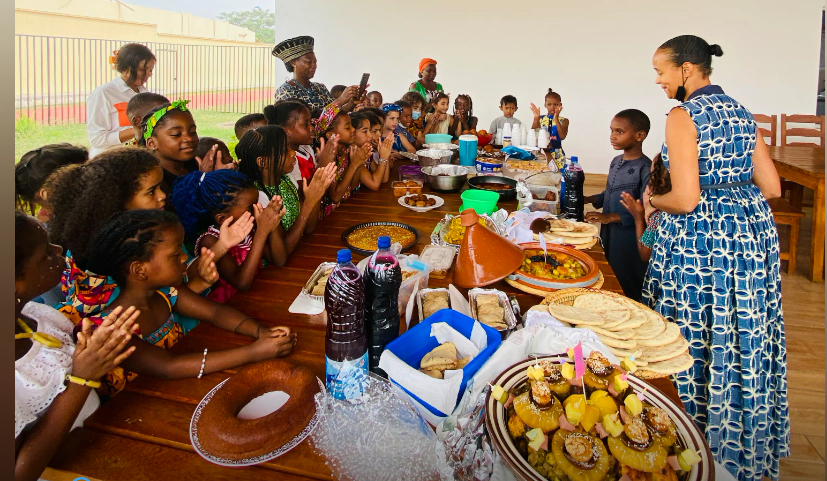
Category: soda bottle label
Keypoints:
(346, 380)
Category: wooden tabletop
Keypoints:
(143, 432)
(804, 165)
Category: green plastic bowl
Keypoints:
(482, 201)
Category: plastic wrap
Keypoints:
(379, 436)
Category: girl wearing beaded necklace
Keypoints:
(266, 158)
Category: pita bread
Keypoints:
(560, 225)
(671, 366)
(670, 334)
(620, 335)
(618, 343)
(440, 358)
(663, 353)
(582, 229)
(652, 328)
(573, 315)
(623, 353)
(637, 318)
(597, 302)
(565, 240)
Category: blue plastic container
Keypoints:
(467, 149)
(412, 346)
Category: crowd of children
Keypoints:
(153, 237)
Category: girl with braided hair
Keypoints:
(204, 201)
(83, 197)
(267, 159)
(34, 168)
(140, 251)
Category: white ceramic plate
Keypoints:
(496, 422)
(439, 203)
(237, 463)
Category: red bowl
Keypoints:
(483, 140)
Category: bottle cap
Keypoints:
(343, 255)
(384, 242)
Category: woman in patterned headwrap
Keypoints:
(714, 268)
(300, 60)
(426, 86)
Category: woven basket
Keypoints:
(567, 297)
(541, 293)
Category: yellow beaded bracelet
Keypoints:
(83, 382)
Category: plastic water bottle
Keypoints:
(575, 177)
(506, 135)
(562, 200)
(345, 343)
(383, 276)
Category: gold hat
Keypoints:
(293, 48)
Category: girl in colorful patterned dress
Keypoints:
(54, 376)
(267, 160)
(139, 261)
(349, 160)
(204, 200)
(83, 197)
(715, 267)
(647, 219)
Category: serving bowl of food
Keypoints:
(446, 178)
(558, 267)
(487, 165)
(450, 231)
(504, 186)
(421, 202)
(544, 429)
(362, 238)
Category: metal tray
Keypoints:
(317, 274)
(437, 236)
(370, 224)
(420, 299)
(509, 317)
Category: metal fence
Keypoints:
(55, 75)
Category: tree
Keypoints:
(261, 21)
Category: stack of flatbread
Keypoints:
(629, 329)
(579, 234)
(489, 311)
(442, 358)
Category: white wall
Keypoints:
(596, 53)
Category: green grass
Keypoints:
(28, 135)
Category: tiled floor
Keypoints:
(804, 319)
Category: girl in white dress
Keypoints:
(54, 376)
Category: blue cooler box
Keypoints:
(412, 346)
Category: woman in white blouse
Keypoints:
(54, 377)
(106, 121)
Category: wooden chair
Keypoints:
(814, 129)
(772, 132)
(785, 214)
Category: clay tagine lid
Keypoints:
(484, 257)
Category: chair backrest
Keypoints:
(772, 132)
(817, 133)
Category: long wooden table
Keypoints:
(143, 432)
(805, 166)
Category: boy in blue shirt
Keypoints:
(628, 172)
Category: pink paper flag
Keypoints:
(579, 365)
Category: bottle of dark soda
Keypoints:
(346, 359)
(573, 201)
(383, 276)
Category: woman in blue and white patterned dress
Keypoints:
(715, 266)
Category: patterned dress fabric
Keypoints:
(289, 198)
(317, 96)
(223, 290)
(715, 272)
(342, 163)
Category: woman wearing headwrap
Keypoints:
(299, 59)
(426, 86)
